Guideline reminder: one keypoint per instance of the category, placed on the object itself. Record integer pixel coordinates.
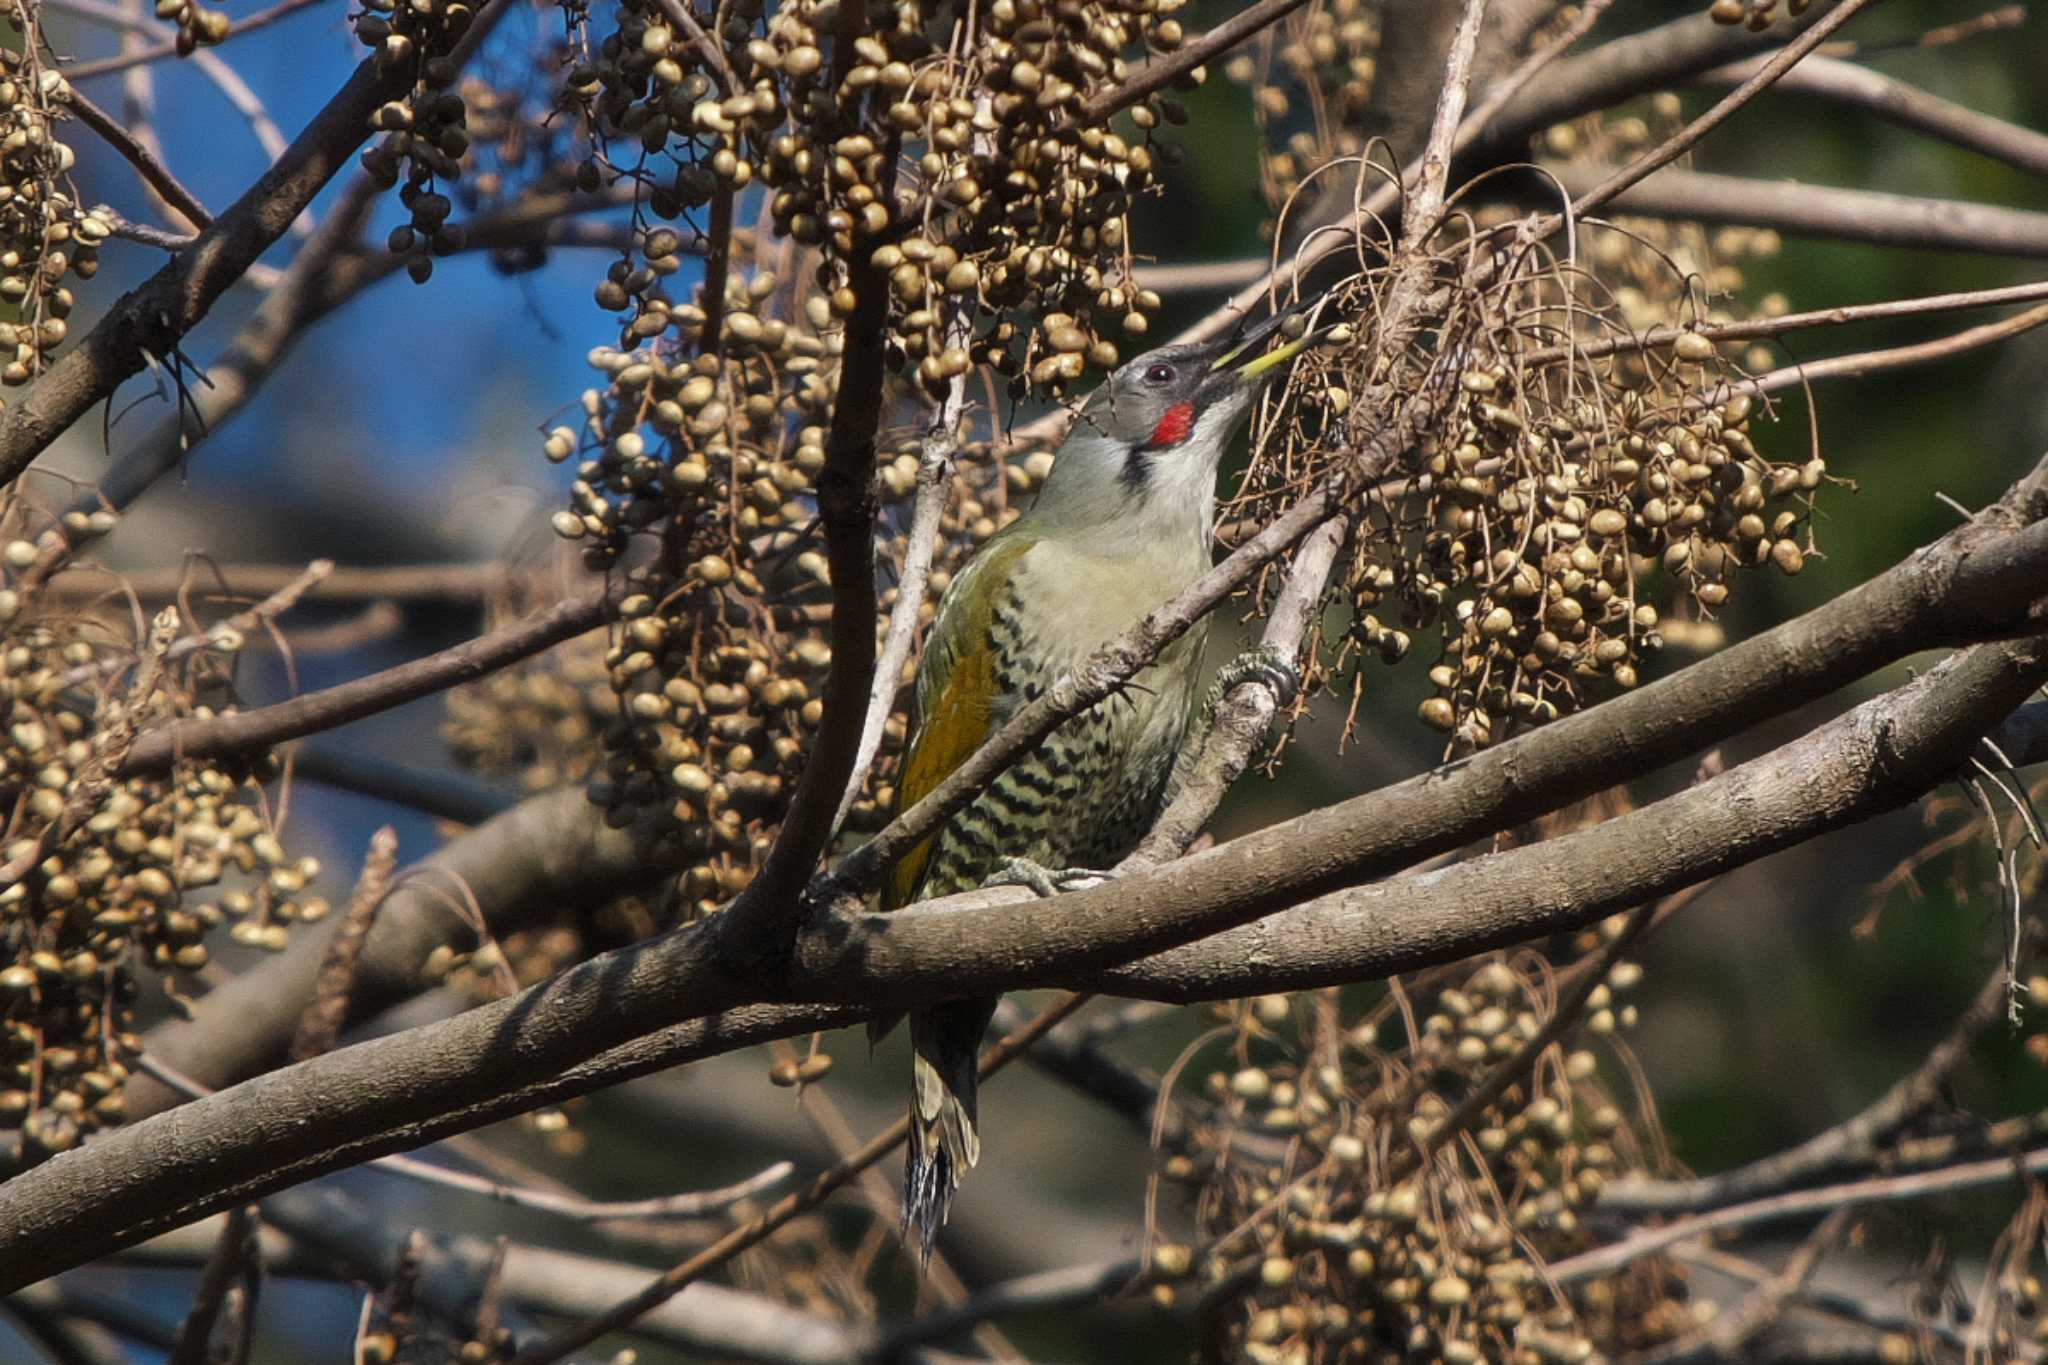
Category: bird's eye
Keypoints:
(1159, 374)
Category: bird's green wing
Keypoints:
(957, 694)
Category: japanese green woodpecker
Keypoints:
(1124, 522)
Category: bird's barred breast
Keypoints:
(1087, 793)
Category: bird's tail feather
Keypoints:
(944, 1141)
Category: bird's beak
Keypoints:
(1247, 341)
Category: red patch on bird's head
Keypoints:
(1174, 427)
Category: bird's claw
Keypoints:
(1047, 881)
(1264, 664)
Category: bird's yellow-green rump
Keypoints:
(1124, 522)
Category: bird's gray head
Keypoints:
(1145, 446)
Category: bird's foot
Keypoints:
(1264, 664)
(1047, 881)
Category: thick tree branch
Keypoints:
(1876, 757)
(1638, 64)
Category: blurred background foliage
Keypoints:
(407, 430)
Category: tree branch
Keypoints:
(1163, 71)
(242, 731)
(1893, 100)
(152, 170)
(1895, 220)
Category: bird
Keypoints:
(1124, 521)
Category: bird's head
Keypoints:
(1146, 444)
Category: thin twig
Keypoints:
(238, 732)
(1752, 329)
(227, 1264)
(1070, 1286)
(1725, 1337)
(934, 481)
(1906, 105)
(1889, 358)
(109, 65)
(227, 634)
(1189, 55)
(320, 1026)
(1853, 1140)
(461, 583)
(153, 171)
(673, 1281)
(1799, 1203)
(695, 1204)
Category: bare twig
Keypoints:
(1165, 70)
(1898, 220)
(1888, 358)
(1067, 1287)
(1856, 1139)
(1729, 1333)
(1752, 329)
(1897, 102)
(934, 480)
(226, 634)
(1962, 1175)
(153, 171)
(261, 19)
(320, 1027)
(231, 1261)
(462, 584)
(695, 1204)
(214, 736)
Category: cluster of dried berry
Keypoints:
(104, 872)
(1343, 1246)
(1754, 14)
(1015, 200)
(44, 234)
(424, 140)
(1574, 480)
